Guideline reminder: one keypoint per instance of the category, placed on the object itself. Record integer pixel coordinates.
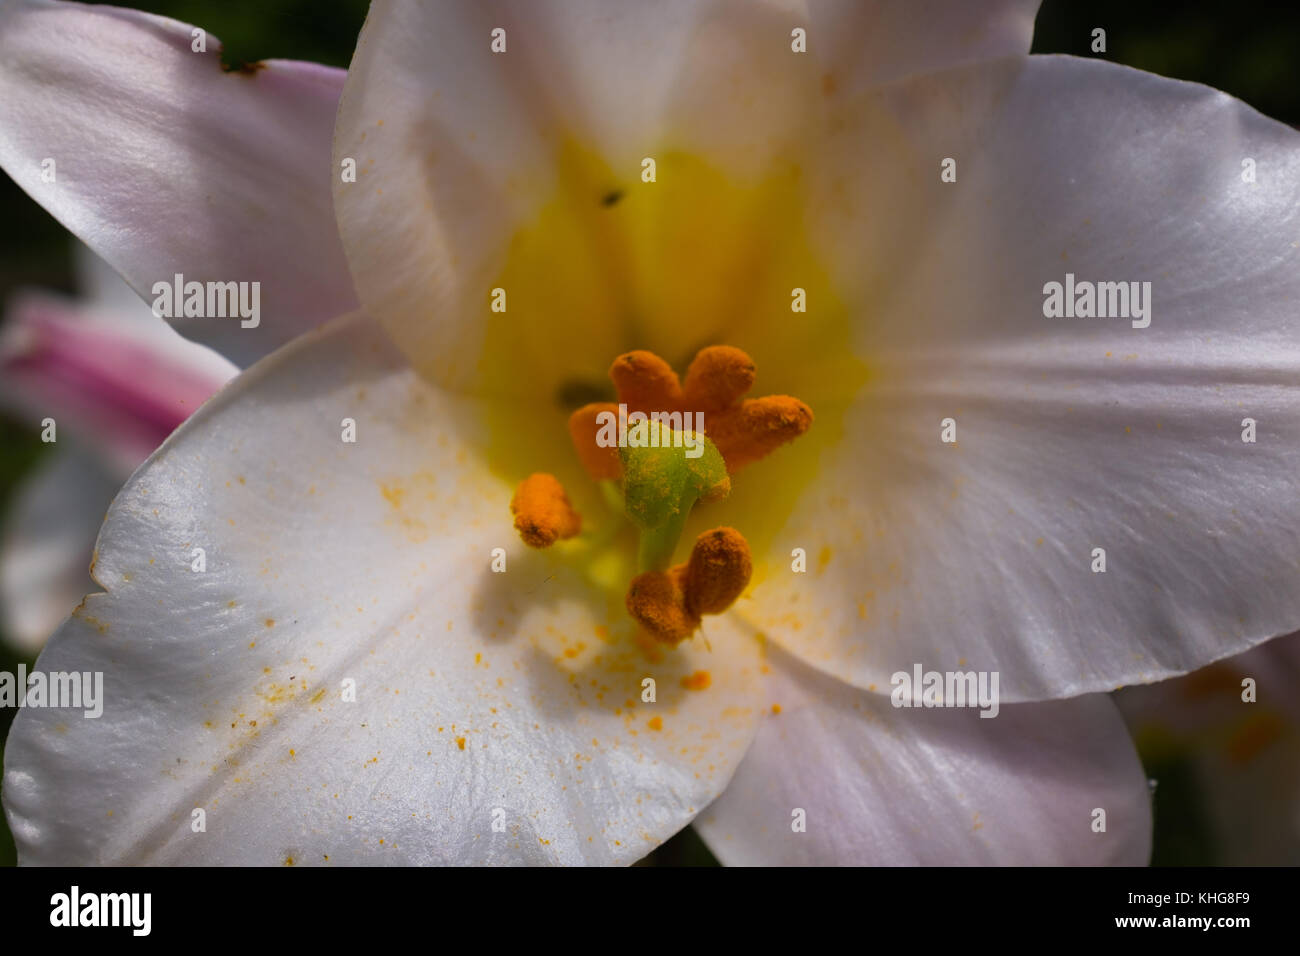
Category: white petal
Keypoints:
(880, 785)
(166, 164)
(49, 536)
(103, 290)
(1072, 434)
(479, 696)
(876, 41)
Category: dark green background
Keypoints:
(1248, 50)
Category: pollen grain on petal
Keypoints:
(542, 511)
(700, 680)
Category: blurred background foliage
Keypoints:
(1248, 51)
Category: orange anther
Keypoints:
(744, 431)
(669, 604)
(718, 571)
(601, 463)
(717, 378)
(646, 383)
(655, 599)
(756, 427)
(542, 511)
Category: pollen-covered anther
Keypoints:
(656, 601)
(718, 377)
(542, 511)
(718, 571)
(669, 604)
(600, 461)
(744, 430)
(646, 383)
(757, 427)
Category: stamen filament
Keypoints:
(655, 552)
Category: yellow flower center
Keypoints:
(611, 265)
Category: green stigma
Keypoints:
(665, 471)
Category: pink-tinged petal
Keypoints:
(1236, 725)
(112, 385)
(880, 785)
(1072, 434)
(105, 299)
(164, 163)
(49, 537)
(348, 680)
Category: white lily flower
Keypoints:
(541, 187)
